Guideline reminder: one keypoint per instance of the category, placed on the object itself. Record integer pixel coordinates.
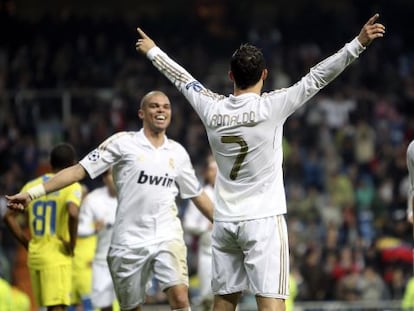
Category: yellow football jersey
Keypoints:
(5, 296)
(48, 223)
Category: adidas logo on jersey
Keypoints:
(164, 181)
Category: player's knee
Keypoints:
(179, 302)
(178, 297)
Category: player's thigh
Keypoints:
(52, 285)
(103, 293)
(170, 263)
(266, 252)
(228, 272)
(130, 270)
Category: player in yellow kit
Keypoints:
(52, 220)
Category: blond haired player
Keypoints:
(53, 220)
(250, 245)
(149, 171)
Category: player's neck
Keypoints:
(257, 89)
(155, 138)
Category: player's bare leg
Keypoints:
(270, 304)
(226, 302)
(178, 297)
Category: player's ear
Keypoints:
(140, 114)
(264, 74)
(230, 75)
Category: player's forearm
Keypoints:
(62, 179)
(169, 68)
(15, 229)
(327, 70)
(65, 178)
(323, 73)
(205, 205)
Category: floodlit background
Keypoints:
(69, 72)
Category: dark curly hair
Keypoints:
(247, 64)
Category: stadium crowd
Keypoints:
(345, 167)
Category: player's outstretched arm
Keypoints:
(62, 179)
(371, 31)
(144, 43)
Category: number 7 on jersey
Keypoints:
(244, 148)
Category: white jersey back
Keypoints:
(245, 133)
(148, 180)
(100, 206)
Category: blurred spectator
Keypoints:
(372, 286)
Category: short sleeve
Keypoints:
(187, 181)
(74, 194)
(102, 158)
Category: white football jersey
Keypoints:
(245, 133)
(98, 205)
(148, 180)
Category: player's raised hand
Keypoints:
(18, 201)
(371, 30)
(145, 43)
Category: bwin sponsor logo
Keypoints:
(164, 181)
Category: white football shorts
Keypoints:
(103, 293)
(132, 269)
(251, 255)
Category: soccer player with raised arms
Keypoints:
(249, 239)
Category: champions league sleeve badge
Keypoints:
(93, 156)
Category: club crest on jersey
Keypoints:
(94, 155)
(171, 163)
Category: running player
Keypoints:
(250, 245)
(195, 223)
(53, 221)
(149, 171)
